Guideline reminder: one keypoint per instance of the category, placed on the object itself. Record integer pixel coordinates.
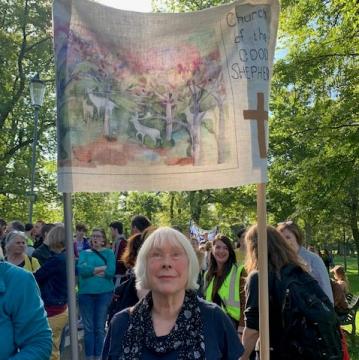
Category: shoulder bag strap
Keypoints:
(100, 255)
(30, 260)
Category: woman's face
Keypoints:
(290, 238)
(167, 269)
(17, 246)
(220, 252)
(97, 240)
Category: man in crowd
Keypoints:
(80, 240)
(15, 225)
(29, 239)
(43, 252)
(139, 223)
(119, 244)
(37, 233)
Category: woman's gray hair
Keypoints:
(11, 236)
(158, 238)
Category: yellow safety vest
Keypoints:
(31, 264)
(229, 292)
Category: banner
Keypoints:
(157, 102)
(201, 235)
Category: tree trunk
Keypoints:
(354, 221)
(308, 233)
(196, 136)
(172, 202)
(355, 232)
(221, 131)
(195, 202)
(196, 147)
(106, 123)
(169, 121)
(345, 249)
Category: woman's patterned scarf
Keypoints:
(186, 336)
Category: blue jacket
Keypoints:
(90, 283)
(52, 280)
(23, 321)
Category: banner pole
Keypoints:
(71, 281)
(263, 272)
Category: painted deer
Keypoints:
(102, 103)
(105, 105)
(143, 130)
(88, 110)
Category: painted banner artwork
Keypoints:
(157, 102)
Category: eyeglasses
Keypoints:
(289, 222)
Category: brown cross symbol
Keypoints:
(260, 115)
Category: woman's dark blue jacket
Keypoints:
(52, 280)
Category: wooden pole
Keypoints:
(263, 272)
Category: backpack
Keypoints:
(124, 296)
(310, 326)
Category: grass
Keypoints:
(352, 274)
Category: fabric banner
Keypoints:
(157, 102)
(202, 236)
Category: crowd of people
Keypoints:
(157, 294)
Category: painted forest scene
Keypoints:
(124, 106)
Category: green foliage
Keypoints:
(314, 135)
(25, 48)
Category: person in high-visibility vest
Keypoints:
(225, 281)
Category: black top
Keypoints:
(251, 313)
(220, 336)
(124, 297)
(42, 253)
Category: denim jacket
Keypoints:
(52, 280)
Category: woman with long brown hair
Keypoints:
(224, 280)
(280, 254)
(126, 294)
(284, 267)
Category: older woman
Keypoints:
(170, 322)
(52, 281)
(96, 269)
(225, 281)
(15, 249)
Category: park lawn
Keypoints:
(353, 277)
